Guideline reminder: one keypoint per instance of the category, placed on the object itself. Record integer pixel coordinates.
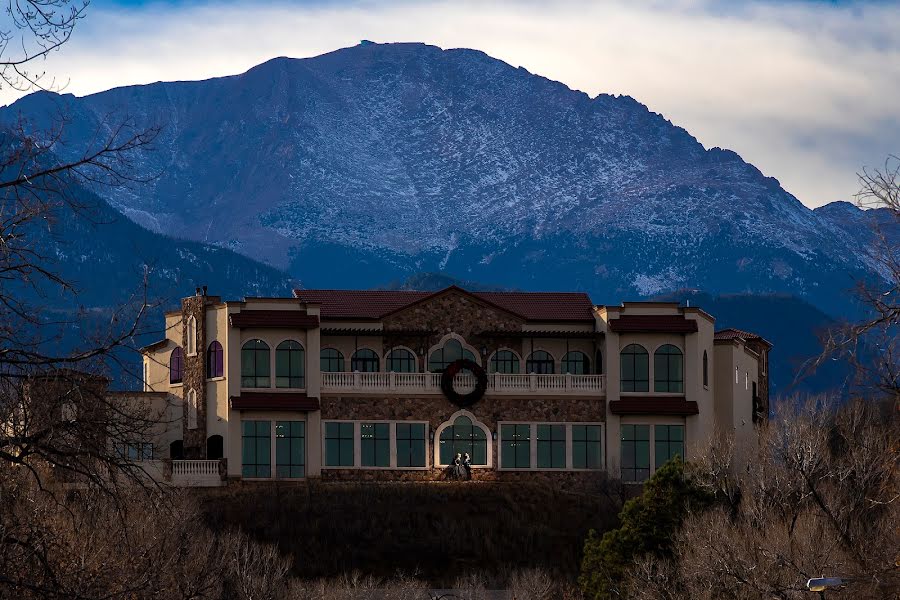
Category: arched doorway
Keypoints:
(214, 447)
(176, 450)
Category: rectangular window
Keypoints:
(515, 447)
(256, 449)
(410, 444)
(587, 451)
(635, 452)
(669, 440)
(551, 446)
(375, 444)
(290, 449)
(135, 451)
(339, 444)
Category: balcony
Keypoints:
(497, 383)
(197, 473)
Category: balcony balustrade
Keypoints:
(196, 473)
(497, 383)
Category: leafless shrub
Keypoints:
(820, 496)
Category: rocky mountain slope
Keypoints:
(368, 164)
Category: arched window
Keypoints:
(191, 336)
(505, 361)
(215, 360)
(255, 369)
(331, 361)
(635, 369)
(540, 361)
(176, 366)
(668, 369)
(364, 361)
(576, 363)
(705, 369)
(451, 350)
(191, 409)
(290, 365)
(401, 360)
(462, 437)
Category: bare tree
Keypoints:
(821, 496)
(872, 345)
(34, 29)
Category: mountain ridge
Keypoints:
(371, 163)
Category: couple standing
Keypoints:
(461, 468)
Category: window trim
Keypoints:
(569, 468)
(208, 362)
(668, 381)
(436, 439)
(180, 381)
(443, 341)
(377, 360)
(490, 361)
(343, 359)
(392, 448)
(650, 374)
(587, 358)
(274, 365)
(652, 422)
(527, 371)
(387, 359)
(271, 365)
(191, 336)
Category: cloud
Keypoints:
(806, 91)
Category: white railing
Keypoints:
(430, 383)
(196, 473)
(190, 468)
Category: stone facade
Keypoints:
(194, 375)
(489, 411)
(451, 312)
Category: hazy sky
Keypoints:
(809, 92)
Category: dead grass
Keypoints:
(432, 532)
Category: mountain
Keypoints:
(372, 163)
(104, 257)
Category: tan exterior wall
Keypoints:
(721, 403)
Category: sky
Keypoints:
(807, 91)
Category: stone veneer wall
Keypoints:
(489, 410)
(194, 376)
(451, 312)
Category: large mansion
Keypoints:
(394, 385)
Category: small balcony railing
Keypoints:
(196, 473)
(497, 383)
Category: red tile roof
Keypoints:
(274, 401)
(375, 304)
(653, 324)
(739, 334)
(274, 318)
(653, 405)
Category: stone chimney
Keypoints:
(193, 389)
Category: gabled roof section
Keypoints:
(739, 334)
(375, 304)
(459, 290)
